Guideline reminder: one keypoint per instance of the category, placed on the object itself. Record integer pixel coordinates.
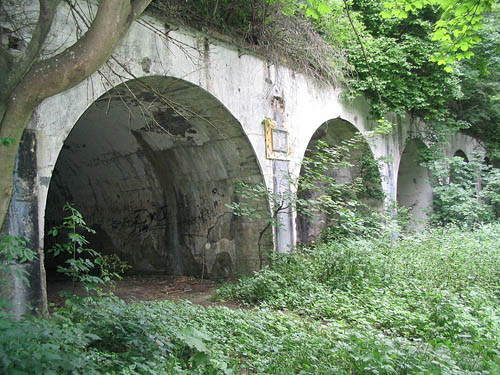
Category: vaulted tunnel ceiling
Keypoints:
(151, 166)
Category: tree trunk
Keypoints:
(15, 119)
(57, 74)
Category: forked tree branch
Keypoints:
(32, 53)
(70, 67)
(59, 73)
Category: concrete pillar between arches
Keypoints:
(22, 220)
(284, 230)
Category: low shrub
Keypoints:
(424, 304)
(440, 287)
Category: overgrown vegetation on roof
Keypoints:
(277, 30)
(387, 60)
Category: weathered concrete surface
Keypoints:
(154, 178)
(414, 185)
(466, 144)
(19, 222)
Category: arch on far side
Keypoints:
(414, 189)
(151, 165)
(461, 154)
(361, 164)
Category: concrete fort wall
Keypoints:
(149, 149)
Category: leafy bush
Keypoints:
(42, 346)
(15, 250)
(439, 288)
(14, 254)
(465, 192)
(107, 336)
(83, 264)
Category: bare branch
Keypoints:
(76, 63)
(169, 102)
(39, 35)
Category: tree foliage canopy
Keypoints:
(457, 29)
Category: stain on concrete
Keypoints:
(146, 64)
(158, 196)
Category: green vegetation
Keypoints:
(425, 304)
(6, 141)
(437, 290)
(14, 251)
(456, 29)
(465, 192)
(83, 264)
(395, 71)
(479, 107)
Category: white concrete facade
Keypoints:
(244, 84)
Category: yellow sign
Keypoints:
(276, 140)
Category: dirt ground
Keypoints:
(148, 288)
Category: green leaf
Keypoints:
(386, 14)
(193, 338)
(200, 359)
(7, 141)
(324, 9)
(312, 13)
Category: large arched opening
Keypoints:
(151, 166)
(414, 186)
(356, 170)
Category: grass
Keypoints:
(425, 304)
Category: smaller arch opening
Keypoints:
(350, 186)
(461, 154)
(414, 188)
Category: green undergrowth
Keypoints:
(440, 288)
(426, 304)
(111, 337)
